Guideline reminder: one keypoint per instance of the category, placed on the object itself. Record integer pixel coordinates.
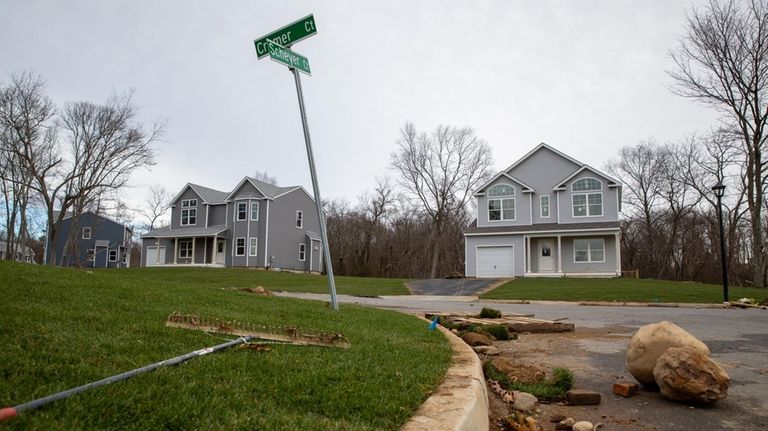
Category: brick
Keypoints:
(582, 397)
(625, 389)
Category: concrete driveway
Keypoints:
(737, 338)
(453, 287)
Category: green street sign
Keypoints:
(287, 35)
(287, 57)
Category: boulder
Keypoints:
(505, 365)
(524, 401)
(583, 426)
(476, 339)
(650, 342)
(583, 397)
(685, 374)
(486, 350)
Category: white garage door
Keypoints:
(152, 258)
(495, 261)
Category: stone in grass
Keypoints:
(582, 397)
(524, 401)
(583, 426)
(685, 374)
(624, 389)
(486, 350)
(475, 339)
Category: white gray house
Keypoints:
(547, 215)
(256, 225)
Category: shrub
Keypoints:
(489, 313)
(498, 332)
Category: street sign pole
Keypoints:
(316, 188)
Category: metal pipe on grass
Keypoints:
(12, 412)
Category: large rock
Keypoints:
(685, 374)
(476, 339)
(525, 401)
(650, 342)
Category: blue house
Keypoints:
(97, 241)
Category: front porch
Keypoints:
(583, 254)
(186, 247)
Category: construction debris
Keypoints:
(514, 323)
(284, 334)
(626, 390)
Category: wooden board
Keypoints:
(514, 323)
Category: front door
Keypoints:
(546, 261)
(220, 251)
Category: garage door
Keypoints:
(152, 258)
(495, 261)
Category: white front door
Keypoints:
(495, 261)
(220, 251)
(546, 261)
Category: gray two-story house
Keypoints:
(256, 225)
(547, 215)
(91, 240)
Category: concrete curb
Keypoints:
(603, 303)
(460, 402)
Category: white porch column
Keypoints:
(215, 249)
(528, 255)
(175, 249)
(157, 256)
(559, 255)
(194, 238)
(618, 255)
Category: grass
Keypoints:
(240, 277)
(618, 289)
(550, 390)
(61, 328)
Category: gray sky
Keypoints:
(587, 77)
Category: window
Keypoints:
(188, 212)
(86, 232)
(240, 247)
(299, 219)
(91, 255)
(302, 252)
(588, 250)
(113, 255)
(185, 248)
(253, 246)
(125, 257)
(501, 202)
(544, 201)
(242, 211)
(254, 211)
(589, 202)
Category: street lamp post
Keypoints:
(719, 190)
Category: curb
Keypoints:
(604, 303)
(460, 402)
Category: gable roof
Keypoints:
(526, 187)
(207, 195)
(270, 191)
(611, 182)
(68, 215)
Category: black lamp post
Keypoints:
(719, 190)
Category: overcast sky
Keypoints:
(586, 77)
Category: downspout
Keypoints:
(248, 235)
(266, 237)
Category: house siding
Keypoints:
(101, 229)
(610, 203)
(285, 237)
(189, 193)
(522, 206)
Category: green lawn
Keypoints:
(618, 289)
(61, 328)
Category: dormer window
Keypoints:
(501, 202)
(587, 198)
(188, 212)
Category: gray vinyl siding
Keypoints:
(284, 236)
(176, 210)
(522, 206)
(247, 228)
(610, 201)
(471, 243)
(571, 267)
(101, 229)
(217, 215)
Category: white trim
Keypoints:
(240, 184)
(525, 188)
(618, 203)
(236, 212)
(188, 208)
(179, 249)
(560, 184)
(586, 204)
(302, 245)
(194, 243)
(530, 208)
(226, 213)
(175, 250)
(253, 247)
(528, 254)
(207, 207)
(572, 232)
(109, 255)
(589, 251)
(529, 154)
(541, 206)
(477, 261)
(557, 198)
(248, 232)
(501, 208)
(90, 232)
(235, 244)
(266, 237)
(258, 208)
(618, 253)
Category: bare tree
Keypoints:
(722, 61)
(157, 204)
(439, 171)
(265, 177)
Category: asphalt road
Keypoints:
(738, 339)
(451, 287)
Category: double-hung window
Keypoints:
(91, 255)
(587, 198)
(87, 232)
(253, 246)
(501, 202)
(242, 211)
(240, 247)
(113, 255)
(299, 219)
(254, 211)
(302, 252)
(185, 248)
(588, 250)
(544, 207)
(188, 212)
